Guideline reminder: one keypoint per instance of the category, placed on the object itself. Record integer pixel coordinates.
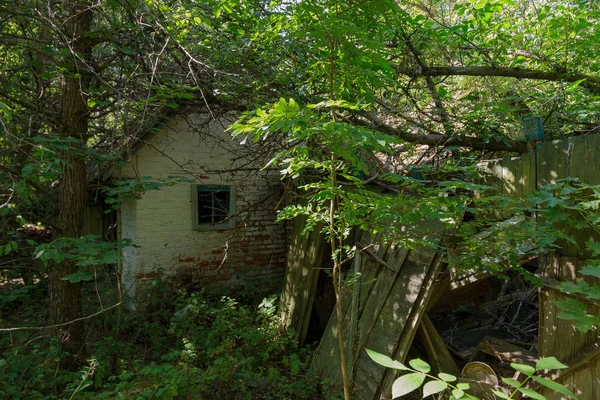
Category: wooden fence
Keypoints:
(515, 177)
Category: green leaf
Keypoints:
(577, 311)
(127, 50)
(420, 365)
(5, 112)
(79, 276)
(532, 393)
(512, 382)
(594, 247)
(590, 205)
(407, 383)
(500, 394)
(574, 85)
(433, 387)
(458, 393)
(27, 170)
(557, 387)
(549, 363)
(591, 270)
(386, 361)
(525, 369)
(463, 386)
(447, 377)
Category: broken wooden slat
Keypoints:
(438, 354)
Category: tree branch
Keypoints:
(589, 82)
(443, 140)
(38, 328)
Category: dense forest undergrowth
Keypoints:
(206, 344)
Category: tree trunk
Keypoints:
(65, 297)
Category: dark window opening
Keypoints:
(214, 206)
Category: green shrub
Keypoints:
(223, 350)
(201, 346)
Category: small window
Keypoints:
(214, 207)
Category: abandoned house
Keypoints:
(209, 216)
(205, 223)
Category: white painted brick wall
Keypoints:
(161, 221)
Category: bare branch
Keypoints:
(38, 328)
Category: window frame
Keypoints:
(229, 223)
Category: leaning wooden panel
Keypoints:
(304, 258)
(396, 325)
(382, 287)
(379, 313)
(392, 303)
(376, 279)
(418, 310)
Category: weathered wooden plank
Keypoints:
(304, 257)
(368, 384)
(423, 257)
(437, 353)
(369, 271)
(505, 351)
(396, 299)
(401, 315)
(589, 355)
(410, 328)
(552, 161)
(583, 158)
(512, 177)
(380, 292)
(559, 338)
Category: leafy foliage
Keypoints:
(204, 345)
(419, 372)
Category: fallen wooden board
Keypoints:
(438, 354)
(504, 351)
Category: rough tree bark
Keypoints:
(65, 297)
